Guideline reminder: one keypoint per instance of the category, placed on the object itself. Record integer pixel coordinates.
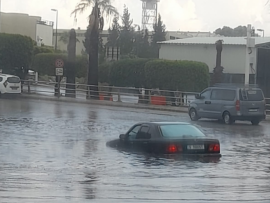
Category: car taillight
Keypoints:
(237, 105)
(172, 148)
(5, 83)
(214, 148)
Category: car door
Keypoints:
(142, 141)
(203, 104)
(222, 100)
(131, 137)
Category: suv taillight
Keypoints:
(237, 105)
(214, 148)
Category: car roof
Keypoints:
(7, 75)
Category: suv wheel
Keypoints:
(227, 118)
(255, 122)
(193, 115)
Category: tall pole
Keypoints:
(247, 67)
(56, 23)
(0, 15)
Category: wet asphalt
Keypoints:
(56, 152)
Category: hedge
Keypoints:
(189, 76)
(128, 72)
(15, 51)
(45, 64)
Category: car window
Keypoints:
(132, 134)
(206, 94)
(251, 95)
(225, 95)
(180, 131)
(13, 80)
(1, 79)
(143, 133)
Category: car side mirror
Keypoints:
(197, 96)
(122, 137)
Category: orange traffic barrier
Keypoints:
(158, 100)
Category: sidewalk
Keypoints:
(105, 103)
(109, 103)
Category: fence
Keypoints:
(111, 93)
(267, 101)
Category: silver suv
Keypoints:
(229, 103)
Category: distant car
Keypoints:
(10, 84)
(229, 103)
(169, 138)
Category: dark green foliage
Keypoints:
(114, 32)
(126, 33)
(39, 50)
(240, 31)
(128, 73)
(159, 34)
(104, 72)
(15, 51)
(186, 76)
(45, 64)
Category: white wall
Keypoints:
(233, 56)
(46, 33)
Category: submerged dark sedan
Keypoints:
(169, 138)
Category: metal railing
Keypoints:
(110, 93)
(267, 103)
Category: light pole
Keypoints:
(0, 14)
(55, 10)
(261, 30)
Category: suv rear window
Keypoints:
(251, 95)
(13, 80)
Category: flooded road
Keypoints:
(56, 152)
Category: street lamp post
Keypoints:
(55, 10)
(261, 30)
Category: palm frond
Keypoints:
(81, 7)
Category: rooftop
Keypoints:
(212, 40)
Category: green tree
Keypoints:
(126, 33)
(16, 54)
(141, 46)
(114, 33)
(95, 26)
(240, 31)
(64, 37)
(159, 34)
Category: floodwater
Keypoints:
(56, 152)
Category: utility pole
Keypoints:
(248, 52)
(0, 15)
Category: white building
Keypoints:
(31, 26)
(233, 59)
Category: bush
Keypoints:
(186, 76)
(39, 50)
(45, 64)
(15, 51)
(104, 72)
(128, 72)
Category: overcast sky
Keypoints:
(184, 15)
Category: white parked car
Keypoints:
(10, 84)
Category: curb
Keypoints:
(105, 103)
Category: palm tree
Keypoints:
(96, 23)
(64, 37)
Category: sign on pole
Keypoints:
(59, 67)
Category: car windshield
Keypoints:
(13, 80)
(180, 131)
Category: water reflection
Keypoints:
(89, 185)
